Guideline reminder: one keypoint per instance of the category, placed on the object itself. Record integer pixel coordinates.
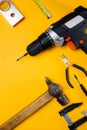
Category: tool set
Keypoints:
(70, 30)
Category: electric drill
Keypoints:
(71, 30)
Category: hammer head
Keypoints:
(56, 91)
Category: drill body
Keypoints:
(71, 30)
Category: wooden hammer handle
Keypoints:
(26, 112)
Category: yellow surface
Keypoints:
(22, 82)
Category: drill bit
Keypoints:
(22, 56)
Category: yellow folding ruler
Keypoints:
(42, 8)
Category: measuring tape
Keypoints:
(42, 8)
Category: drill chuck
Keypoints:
(43, 42)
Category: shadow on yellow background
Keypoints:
(22, 82)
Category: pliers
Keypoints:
(68, 63)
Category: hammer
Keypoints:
(54, 90)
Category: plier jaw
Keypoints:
(68, 64)
(66, 61)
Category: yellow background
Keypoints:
(22, 82)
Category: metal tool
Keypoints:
(67, 109)
(56, 91)
(10, 12)
(33, 107)
(81, 85)
(80, 121)
(68, 64)
(42, 8)
(70, 30)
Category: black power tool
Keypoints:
(71, 30)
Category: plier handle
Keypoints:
(68, 63)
